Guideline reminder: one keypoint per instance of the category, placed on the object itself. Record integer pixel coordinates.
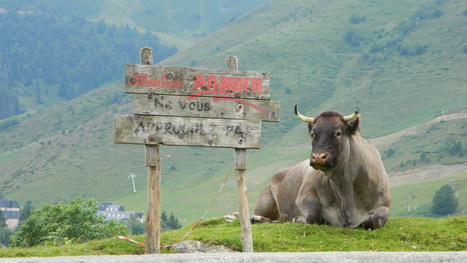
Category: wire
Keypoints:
(205, 212)
(197, 223)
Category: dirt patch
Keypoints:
(390, 138)
(425, 173)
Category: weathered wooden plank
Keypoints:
(152, 156)
(208, 107)
(153, 216)
(196, 81)
(182, 131)
(146, 56)
(242, 199)
(240, 176)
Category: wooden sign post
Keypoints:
(178, 106)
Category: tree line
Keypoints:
(66, 57)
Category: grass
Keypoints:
(110, 246)
(399, 234)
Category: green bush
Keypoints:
(355, 19)
(411, 49)
(454, 147)
(353, 37)
(73, 222)
(444, 201)
(169, 222)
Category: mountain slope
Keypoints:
(311, 64)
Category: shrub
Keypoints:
(409, 49)
(444, 201)
(353, 37)
(437, 13)
(62, 223)
(169, 222)
(355, 19)
(389, 152)
(454, 147)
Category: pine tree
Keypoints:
(26, 212)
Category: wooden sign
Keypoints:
(180, 106)
(208, 107)
(183, 131)
(196, 82)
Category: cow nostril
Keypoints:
(324, 156)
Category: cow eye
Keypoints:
(313, 135)
(338, 134)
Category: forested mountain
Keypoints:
(45, 58)
(52, 50)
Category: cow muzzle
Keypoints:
(320, 160)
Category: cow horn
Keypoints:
(304, 118)
(353, 116)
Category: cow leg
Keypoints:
(266, 207)
(310, 208)
(377, 218)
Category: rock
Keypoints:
(195, 246)
(230, 217)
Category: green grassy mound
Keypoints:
(399, 234)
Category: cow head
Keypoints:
(330, 132)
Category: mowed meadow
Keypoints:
(399, 234)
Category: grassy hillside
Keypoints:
(399, 234)
(415, 199)
(302, 44)
(67, 150)
(178, 23)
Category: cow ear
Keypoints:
(352, 126)
(310, 126)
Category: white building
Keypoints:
(116, 212)
(11, 211)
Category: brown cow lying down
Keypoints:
(343, 184)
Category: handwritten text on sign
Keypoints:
(215, 83)
(209, 107)
(196, 107)
(196, 82)
(183, 131)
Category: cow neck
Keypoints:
(342, 178)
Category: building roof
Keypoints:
(108, 206)
(115, 212)
(103, 206)
(118, 215)
(9, 204)
(115, 208)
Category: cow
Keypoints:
(344, 183)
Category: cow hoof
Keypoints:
(230, 217)
(299, 219)
(283, 218)
(260, 219)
